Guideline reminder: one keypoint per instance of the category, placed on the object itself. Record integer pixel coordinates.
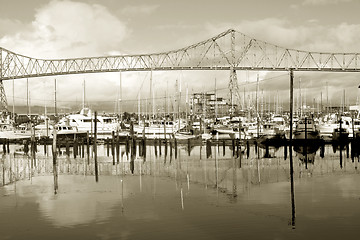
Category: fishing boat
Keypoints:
(306, 129)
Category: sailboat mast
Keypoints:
(256, 96)
(151, 98)
(300, 98)
(27, 96)
(55, 100)
(187, 105)
(216, 101)
(120, 99)
(139, 113)
(327, 98)
(13, 90)
(179, 99)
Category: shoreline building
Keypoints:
(209, 105)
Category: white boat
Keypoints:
(228, 132)
(66, 131)
(160, 129)
(84, 121)
(332, 125)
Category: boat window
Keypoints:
(90, 120)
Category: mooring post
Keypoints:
(95, 148)
(117, 148)
(55, 162)
(290, 149)
(107, 147)
(155, 146)
(305, 145)
(88, 147)
(175, 146)
(223, 147)
(8, 145)
(112, 147)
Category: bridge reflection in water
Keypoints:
(220, 168)
(159, 195)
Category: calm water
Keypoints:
(192, 197)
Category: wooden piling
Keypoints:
(112, 147)
(82, 148)
(95, 148)
(54, 154)
(189, 146)
(67, 144)
(233, 146)
(256, 147)
(171, 148)
(127, 146)
(175, 146)
(160, 147)
(133, 147)
(75, 148)
(208, 148)
(144, 147)
(247, 149)
(292, 187)
(26, 147)
(237, 147)
(155, 146)
(45, 145)
(88, 147)
(107, 147)
(223, 147)
(79, 146)
(8, 145)
(341, 160)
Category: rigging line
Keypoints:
(160, 97)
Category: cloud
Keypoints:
(324, 2)
(9, 27)
(65, 29)
(68, 29)
(310, 36)
(139, 9)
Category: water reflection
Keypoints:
(306, 152)
(157, 211)
(167, 171)
(78, 201)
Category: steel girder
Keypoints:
(226, 51)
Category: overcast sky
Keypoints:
(82, 28)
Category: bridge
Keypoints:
(230, 50)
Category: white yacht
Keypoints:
(157, 129)
(84, 121)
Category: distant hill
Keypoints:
(60, 110)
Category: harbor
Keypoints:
(181, 120)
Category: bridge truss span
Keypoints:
(230, 50)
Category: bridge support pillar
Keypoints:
(3, 103)
(234, 91)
